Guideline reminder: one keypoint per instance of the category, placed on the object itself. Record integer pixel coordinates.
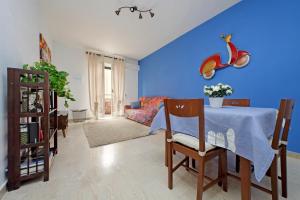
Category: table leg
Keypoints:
(245, 174)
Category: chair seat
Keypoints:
(190, 141)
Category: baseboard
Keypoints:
(3, 189)
(71, 121)
(293, 155)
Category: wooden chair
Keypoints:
(236, 102)
(239, 103)
(279, 144)
(192, 147)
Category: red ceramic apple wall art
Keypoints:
(237, 58)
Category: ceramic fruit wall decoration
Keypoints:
(237, 58)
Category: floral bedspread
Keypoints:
(148, 110)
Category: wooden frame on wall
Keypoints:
(45, 52)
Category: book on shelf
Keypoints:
(31, 100)
(34, 165)
(31, 133)
(41, 135)
(32, 162)
(24, 134)
(33, 129)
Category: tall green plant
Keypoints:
(58, 79)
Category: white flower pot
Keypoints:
(216, 102)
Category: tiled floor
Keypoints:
(131, 170)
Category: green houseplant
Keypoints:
(58, 79)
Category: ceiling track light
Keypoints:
(151, 14)
(135, 8)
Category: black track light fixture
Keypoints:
(135, 8)
(151, 14)
(132, 9)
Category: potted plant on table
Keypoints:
(216, 94)
(58, 79)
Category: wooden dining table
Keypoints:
(245, 131)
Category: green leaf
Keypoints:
(58, 79)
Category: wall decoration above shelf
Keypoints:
(237, 58)
(45, 52)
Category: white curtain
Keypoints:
(96, 84)
(118, 82)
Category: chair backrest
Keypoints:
(236, 102)
(283, 122)
(186, 108)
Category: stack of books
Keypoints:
(30, 133)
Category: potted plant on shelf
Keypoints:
(216, 94)
(58, 79)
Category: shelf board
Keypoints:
(28, 71)
(30, 176)
(29, 114)
(33, 85)
(24, 146)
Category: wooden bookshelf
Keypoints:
(32, 126)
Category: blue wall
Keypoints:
(269, 30)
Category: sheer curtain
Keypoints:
(118, 82)
(96, 84)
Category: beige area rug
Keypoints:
(108, 131)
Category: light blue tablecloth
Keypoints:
(243, 130)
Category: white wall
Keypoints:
(73, 60)
(131, 82)
(19, 44)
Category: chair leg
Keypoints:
(237, 164)
(283, 168)
(170, 165)
(220, 172)
(201, 170)
(268, 173)
(224, 170)
(193, 163)
(187, 163)
(64, 132)
(166, 151)
(274, 179)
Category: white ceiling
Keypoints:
(93, 24)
